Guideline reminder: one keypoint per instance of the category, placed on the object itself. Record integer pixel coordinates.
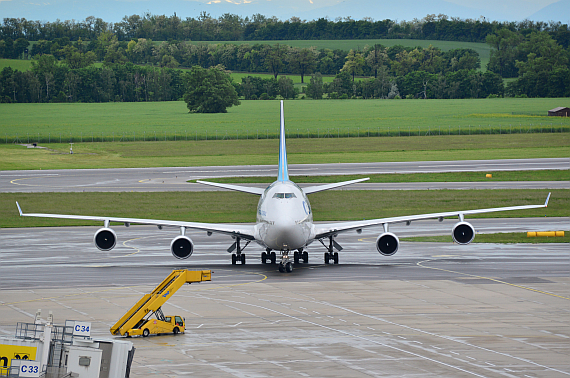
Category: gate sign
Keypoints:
(15, 352)
(82, 329)
(30, 369)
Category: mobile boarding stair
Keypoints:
(137, 321)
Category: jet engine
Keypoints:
(182, 247)
(463, 233)
(105, 239)
(387, 244)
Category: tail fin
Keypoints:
(283, 172)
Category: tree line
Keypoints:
(143, 70)
(230, 27)
(275, 59)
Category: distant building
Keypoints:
(559, 112)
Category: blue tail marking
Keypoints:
(283, 172)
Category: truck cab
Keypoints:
(169, 324)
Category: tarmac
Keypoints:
(432, 310)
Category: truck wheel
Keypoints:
(127, 334)
(176, 330)
(146, 332)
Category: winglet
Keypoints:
(547, 199)
(283, 172)
(19, 209)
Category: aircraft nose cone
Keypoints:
(285, 234)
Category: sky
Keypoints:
(114, 10)
(519, 8)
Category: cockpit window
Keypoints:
(284, 195)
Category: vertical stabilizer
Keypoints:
(283, 172)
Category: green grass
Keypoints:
(255, 152)
(240, 207)
(482, 49)
(507, 237)
(260, 119)
(546, 175)
(16, 64)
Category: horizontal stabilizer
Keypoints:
(320, 188)
(246, 189)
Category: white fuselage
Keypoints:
(284, 217)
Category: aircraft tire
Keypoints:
(306, 257)
(273, 258)
(242, 259)
(296, 257)
(234, 259)
(263, 257)
(281, 268)
(327, 257)
(335, 257)
(289, 267)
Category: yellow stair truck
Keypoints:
(137, 321)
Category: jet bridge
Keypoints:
(137, 320)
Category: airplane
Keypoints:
(284, 223)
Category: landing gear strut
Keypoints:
(238, 256)
(330, 254)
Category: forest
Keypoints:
(230, 27)
(94, 61)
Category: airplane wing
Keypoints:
(243, 231)
(328, 229)
(320, 188)
(246, 189)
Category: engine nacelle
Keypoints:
(181, 247)
(463, 233)
(105, 239)
(387, 244)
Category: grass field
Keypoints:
(507, 237)
(241, 207)
(546, 175)
(260, 119)
(16, 64)
(263, 151)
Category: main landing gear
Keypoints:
(285, 265)
(268, 255)
(330, 255)
(238, 256)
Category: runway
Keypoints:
(432, 310)
(174, 178)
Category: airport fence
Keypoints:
(355, 132)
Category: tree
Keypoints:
(376, 58)
(315, 88)
(302, 61)
(274, 58)
(504, 52)
(209, 91)
(286, 87)
(354, 63)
